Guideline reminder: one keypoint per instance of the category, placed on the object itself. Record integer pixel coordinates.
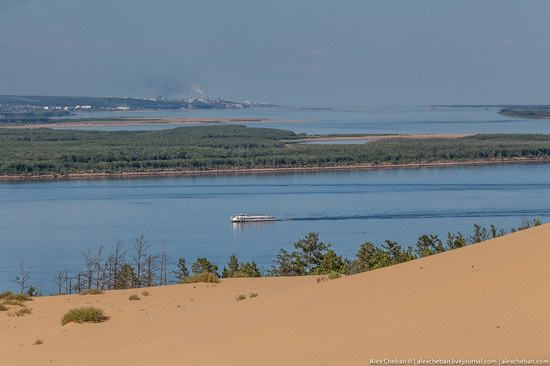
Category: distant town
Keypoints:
(34, 109)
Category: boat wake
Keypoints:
(426, 215)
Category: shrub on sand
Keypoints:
(10, 296)
(240, 297)
(145, 293)
(207, 277)
(92, 291)
(38, 342)
(331, 276)
(13, 302)
(3, 307)
(253, 294)
(84, 315)
(134, 297)
(23, 312)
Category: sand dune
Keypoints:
(491, 300)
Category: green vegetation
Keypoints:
(309, 257)
(134, 297)
(207, 277)
(92, 291)
(29, 116)
(13, 302)
(236, 269)
(45, 151)
(23, 312)
(331, 276)
(530, 112)
(203, 265)
(10, 296)
(182, 272)
(84, 315)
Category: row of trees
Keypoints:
(123, 269)
(312, 257)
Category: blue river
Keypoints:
(49, 224)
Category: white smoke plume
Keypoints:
(197, 89)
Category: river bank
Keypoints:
(127, 122)
(172, 173)
(371, 137)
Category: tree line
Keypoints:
(120, 268)
(47, 151)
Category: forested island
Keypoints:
(206, 149)
(530, 112)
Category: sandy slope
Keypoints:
(490, 300)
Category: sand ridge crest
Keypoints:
(488, 300)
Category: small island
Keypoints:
(228, 149)
(528, 112)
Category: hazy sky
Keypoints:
(319, 52)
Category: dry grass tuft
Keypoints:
(240, 297)
(92, 291)
(145, 293)
(84, 315)
(134, 297)
(23, 312)
(207, 277)
(38, 342)
(10, 296)
(14, 302)
(253, 294)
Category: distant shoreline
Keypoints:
(381, 137)
(289, 170)
(124, 122)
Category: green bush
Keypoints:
(202, 265)
(207, 277)
(134, 297)
(84, 315)
(92, 291)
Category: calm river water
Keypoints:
(47, 224)
(358, 120)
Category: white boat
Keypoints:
(252, 218)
